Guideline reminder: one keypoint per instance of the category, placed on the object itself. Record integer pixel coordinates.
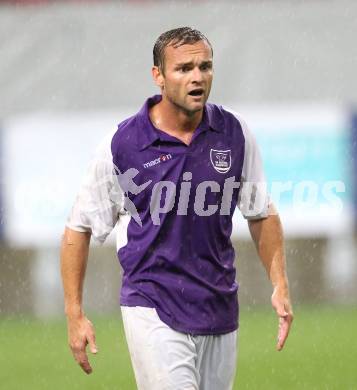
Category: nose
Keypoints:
(197, 75)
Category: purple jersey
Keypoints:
(177, 256)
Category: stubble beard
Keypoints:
(183, 108)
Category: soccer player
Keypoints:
(177, 170)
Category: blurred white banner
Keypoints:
(303, 148)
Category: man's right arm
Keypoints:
(94, 214)
(74, 256)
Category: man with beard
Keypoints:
(178, 169)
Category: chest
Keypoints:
(202, 167)
(207, 158)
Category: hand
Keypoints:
(81, 333)
(281, 303)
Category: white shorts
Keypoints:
(164, 359)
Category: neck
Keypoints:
(168, 117)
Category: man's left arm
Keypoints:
(267, 234)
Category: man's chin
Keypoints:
(197, 105)
(193, 109)
(190, 107)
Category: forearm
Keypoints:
(268, 237)
(74, 256)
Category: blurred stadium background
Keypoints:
(71, 70)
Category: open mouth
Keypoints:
(196, 92)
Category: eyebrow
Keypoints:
(208, 62)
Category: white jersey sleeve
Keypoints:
(100, 201)
(253, 195)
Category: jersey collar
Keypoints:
(148, 134)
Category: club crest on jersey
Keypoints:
(221, 160)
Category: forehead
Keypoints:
(198, 51)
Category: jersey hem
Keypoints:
(178, 327)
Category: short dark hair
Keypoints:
(176, 38)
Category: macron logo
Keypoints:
(162, 158)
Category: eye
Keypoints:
(185, 69)
(206, 66)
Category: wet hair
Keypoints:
(176, 38)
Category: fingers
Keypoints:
(81, 358)
(281, 304)
(81, 334)
(284, 328)
(92, 344)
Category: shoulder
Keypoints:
(235, 118)
(227, 119)
(234, 126)
(125, 134)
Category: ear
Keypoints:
(158, 77)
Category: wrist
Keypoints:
(282, 285)
(73, 312)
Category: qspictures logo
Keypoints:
(253, 197)
(161, 159)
